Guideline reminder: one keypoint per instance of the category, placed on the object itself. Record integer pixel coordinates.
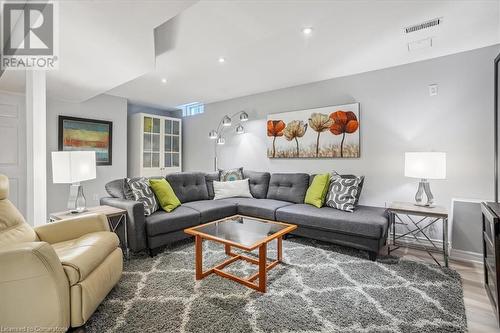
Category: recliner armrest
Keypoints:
(72, 228)
(33, 286)
(136, 223)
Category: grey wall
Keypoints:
(397, 115)
(103, 107)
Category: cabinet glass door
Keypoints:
(172, 143)
(151, 143)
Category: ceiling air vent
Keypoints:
(424, 25)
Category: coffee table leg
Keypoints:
(228, 249)
(280, 249)
(198, 257)
(262, 267)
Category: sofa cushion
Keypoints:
(143, 193)
(262, 208)
(115, 188)
(259, 183)
(211, 210)
(230, 174)
(164, 194)
(290, 187)
(162, 222)
(232, 189)
(82, 255)
(188, 186)
(342, 193)
(370, 222)
(209, 179)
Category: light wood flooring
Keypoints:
(480, 316)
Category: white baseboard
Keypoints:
(467, 256)
(455, 254)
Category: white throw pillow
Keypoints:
(230, 189)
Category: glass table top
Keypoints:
(242, 230)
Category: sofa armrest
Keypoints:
(34, 287)
(72, 228)
(136, 223)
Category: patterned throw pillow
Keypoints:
(231, 174)
(342, 193)
(143, 193)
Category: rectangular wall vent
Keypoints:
(424, 25)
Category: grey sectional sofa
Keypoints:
(277, 196)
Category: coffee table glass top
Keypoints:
(242, 230)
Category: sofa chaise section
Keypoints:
(365, 229)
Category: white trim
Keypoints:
(466, 256)
(454, 254)
(36, 147)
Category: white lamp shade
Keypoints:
(425, 165)
(73, 166)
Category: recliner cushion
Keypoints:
(366, 221)
(188, 186)
(211, 210)
(261, 208)
(290, 187)
(259, 183)
(82, 255)
(161, 222)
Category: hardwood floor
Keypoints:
(480, 316)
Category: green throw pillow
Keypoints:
(316, 193)
(165, 194)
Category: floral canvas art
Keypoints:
(328, 132)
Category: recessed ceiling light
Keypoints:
(222, 60)
(307, 31)
(163, 80)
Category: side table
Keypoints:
(110, 212)
(427, 216)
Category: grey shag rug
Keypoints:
(319, 288)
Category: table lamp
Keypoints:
(425, 165)
(73, 167)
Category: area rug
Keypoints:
(319, 288)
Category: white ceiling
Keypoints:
(265, 49)
(102, 45)
(107, 46)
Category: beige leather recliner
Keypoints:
(53, 276)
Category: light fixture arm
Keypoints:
(220, 132)
(220, 128)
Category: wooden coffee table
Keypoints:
(246, 233)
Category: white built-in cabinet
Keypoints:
(154, 145)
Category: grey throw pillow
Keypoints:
(231, 174)
(342, 193)
(360, 187)
(142, 192)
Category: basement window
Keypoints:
(192, 109)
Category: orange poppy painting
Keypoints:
(328, 132)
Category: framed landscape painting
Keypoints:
(87, 135)
(327, 132)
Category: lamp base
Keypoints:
(76, 199)
(424, 187)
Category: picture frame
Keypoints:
(85, 134)
(324, 132)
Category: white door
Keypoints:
(13, 147)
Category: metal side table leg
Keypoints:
(445, 241)
(127, 251)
